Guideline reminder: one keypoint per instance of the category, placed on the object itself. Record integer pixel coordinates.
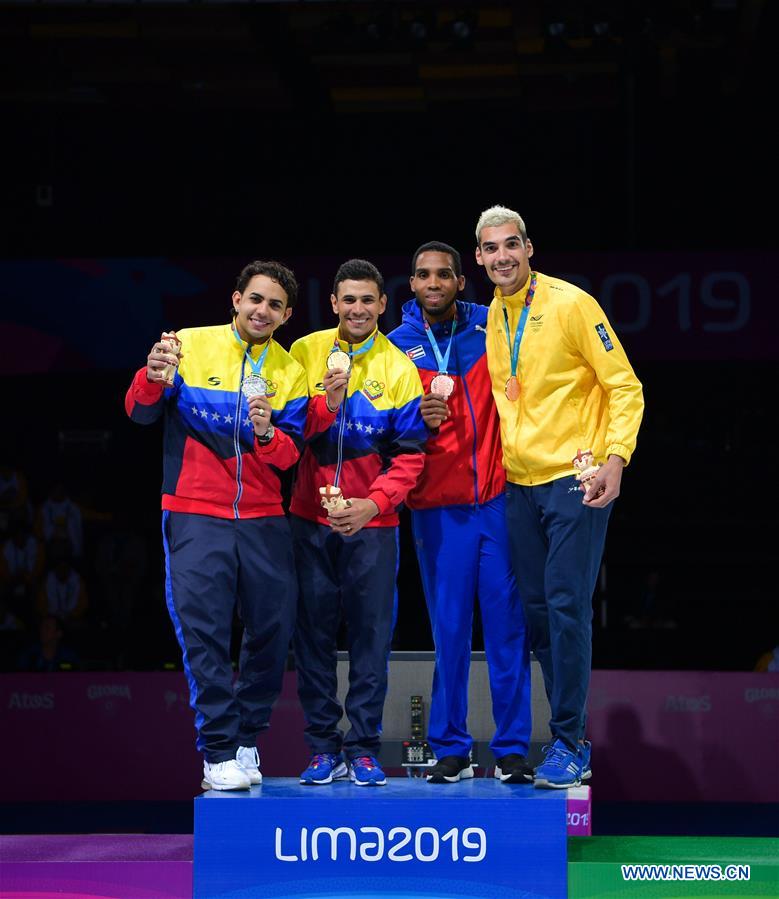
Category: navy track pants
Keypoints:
(212, 565)
(353, 576)
(556, 547)
(464, 551)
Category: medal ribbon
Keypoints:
(352, 353)
(443, 361)
(256, 366)
(514, 350)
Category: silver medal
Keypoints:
(442, 385)
(254, 385)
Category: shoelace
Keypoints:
(320, 759)
(555, 755)
(365, 761)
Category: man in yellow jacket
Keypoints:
(563, 385)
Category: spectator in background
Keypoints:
(60, 522)
(63, 593)
(121, 565)
(21, 566)
(768, 661)
(14, 503)
(48, 652)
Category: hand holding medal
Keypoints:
(336, 378)
(259, 414)
(434, 409)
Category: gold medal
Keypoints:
(339, 359)
(512, 389)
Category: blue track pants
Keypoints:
(212, 564)
(354, 577)
(556, 547)
(463, 551)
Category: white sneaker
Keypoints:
(249, 759)
(225, 776)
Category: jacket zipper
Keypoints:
(237, 443)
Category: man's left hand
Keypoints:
(604, 487)
(349, 521)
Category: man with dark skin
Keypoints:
(458, 518)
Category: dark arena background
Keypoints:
(151, 149)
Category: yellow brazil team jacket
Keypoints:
(577, 388)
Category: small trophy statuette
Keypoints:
(171, 344)
(584, 461)
(332, 499)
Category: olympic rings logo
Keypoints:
(373, 389)
(271, 387)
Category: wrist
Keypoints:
(265, 439)
(329, 407)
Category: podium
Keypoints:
(476, 838)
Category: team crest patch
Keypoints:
(373, 389)
(604, 336)
(416, 352)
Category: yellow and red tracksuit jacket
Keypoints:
(577, 388)
(375, 441)
(213, 464)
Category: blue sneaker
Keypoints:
(560, 769)
(324, 768)
(366, 772)
(585, 754)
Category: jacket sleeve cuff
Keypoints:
(382, 501)
(145, 389)
(618, 449)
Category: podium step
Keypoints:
(477, 838)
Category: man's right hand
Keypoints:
(156, 361)
(434, 410)
(335, 382)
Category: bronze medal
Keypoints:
(442, 385)
(512, 389)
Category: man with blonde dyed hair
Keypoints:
(500, 215)
(563, 386)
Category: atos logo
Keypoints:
(31, 701)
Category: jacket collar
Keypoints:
(412, 315)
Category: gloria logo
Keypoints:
(373, 389)
(761, 694)
(688, 703)
(109, 691)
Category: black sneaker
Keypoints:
(450, 769)
(513, 769)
